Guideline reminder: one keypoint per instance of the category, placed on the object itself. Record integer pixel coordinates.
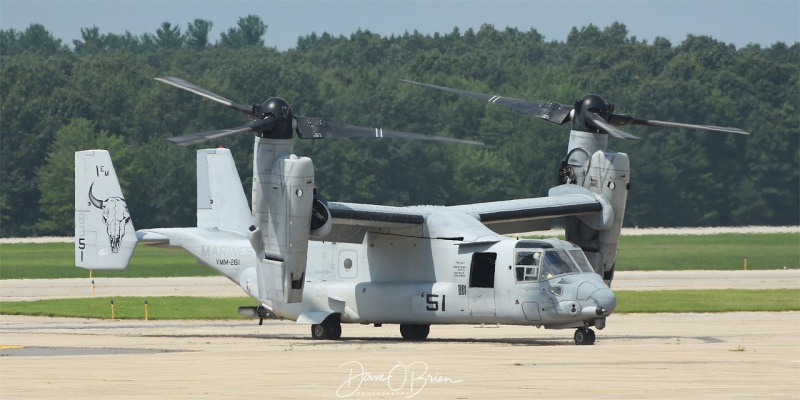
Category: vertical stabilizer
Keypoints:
(221, 202)
(104, 234)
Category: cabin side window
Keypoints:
(527, 265)
(482, 270)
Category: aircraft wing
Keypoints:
(534, 214)
(351, 221)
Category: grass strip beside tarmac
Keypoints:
(726, 300)
(665, 301)
(724, 251)
(57, 260)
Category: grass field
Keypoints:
(674, 301)
(729, 300)
(636, 253)
(57, 260)
(723, 251)
(132, 307)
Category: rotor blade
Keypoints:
(553, 112)
(318, 128)
(194, 138)
(190, 87)
(599, 122)
(621, 119)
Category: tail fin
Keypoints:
(221, 202)
(104, 234)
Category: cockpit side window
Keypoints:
(527, 265)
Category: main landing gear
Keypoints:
(584, 336)
(330, 328)
(414, 332)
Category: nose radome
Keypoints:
(605, 299)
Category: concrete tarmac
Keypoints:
(727, 355)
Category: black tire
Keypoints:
(584, 337)
(328, 329)
(337, 330)
(319, 331)
(414, 331)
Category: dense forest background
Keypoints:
(100, 93)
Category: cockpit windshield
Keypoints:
(542, 264)
(580, 260)
(558, 262)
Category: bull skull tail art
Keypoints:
(115, 216)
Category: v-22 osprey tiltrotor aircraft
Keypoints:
(326, 263)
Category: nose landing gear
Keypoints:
(584, 336)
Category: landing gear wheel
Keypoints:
(337, 330)
(318, 332)
(584, 336)
(330, 328)
(414, 332)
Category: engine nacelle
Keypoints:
(321, 224)
(283, 194)
(606, 173)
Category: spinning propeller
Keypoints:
(589, 114)
(273, 119)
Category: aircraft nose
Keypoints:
(606, 300)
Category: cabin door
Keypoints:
(481, 284)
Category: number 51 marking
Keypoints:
(433, 304)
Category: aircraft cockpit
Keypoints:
(528, 263)
(541, 264)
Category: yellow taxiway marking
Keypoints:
(11, 347)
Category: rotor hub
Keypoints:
(280, 111)
(591, 103)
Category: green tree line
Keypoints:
(100, 93)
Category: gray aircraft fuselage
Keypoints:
(407, 280)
